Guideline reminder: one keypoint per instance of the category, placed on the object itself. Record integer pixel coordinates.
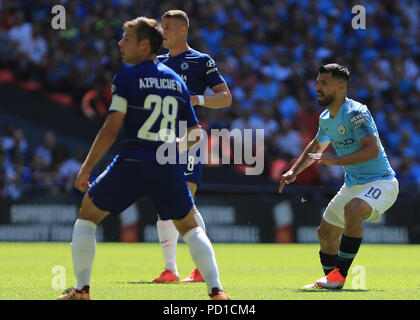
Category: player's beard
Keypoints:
(328, 99)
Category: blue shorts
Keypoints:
(192, 172)
(194, 168)
(124, 181)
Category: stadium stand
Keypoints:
(268, 52)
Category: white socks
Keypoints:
(83, 249)
(203, 256)
(168, 238)
(199, 220)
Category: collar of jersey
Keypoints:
(340, 110)
(144, 63)
(181, 54)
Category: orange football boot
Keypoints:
(195, 276)
(333, 280)
(166, 276)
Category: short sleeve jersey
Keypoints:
(154, 99)
(352, 123)
(197, 69)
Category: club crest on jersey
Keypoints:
(184, 66)
(341, 129)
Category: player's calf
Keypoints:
(329, 237)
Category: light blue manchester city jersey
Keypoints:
(352, 123)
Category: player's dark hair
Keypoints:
(177, 14)
(337, 71)
(147, 28)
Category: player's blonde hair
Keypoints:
(177, 14)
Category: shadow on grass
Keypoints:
(334, 290)
(145, 282)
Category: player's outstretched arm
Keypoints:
(302, 162)
(103, 142)
(220, 99)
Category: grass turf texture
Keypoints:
(124, 271)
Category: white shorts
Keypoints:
(379, 194)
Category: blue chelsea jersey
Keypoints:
(197, 69)
(154, 99)
(352, 123)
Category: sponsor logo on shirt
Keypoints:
(211, 63)
(358, 120)
(342, 144)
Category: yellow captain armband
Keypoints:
(118, 104)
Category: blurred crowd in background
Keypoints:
(29, 170)
(268, 52)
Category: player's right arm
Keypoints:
(222, 96)
(106, 135)
(302, 162)
(103, 142)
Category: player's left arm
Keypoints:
(102, 143)
(369, 149)
(363, 128)
(221, 98)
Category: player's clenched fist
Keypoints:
(82, 181)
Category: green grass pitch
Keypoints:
(123, 271)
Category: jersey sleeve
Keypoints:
(119, 94)
(321, 135)
(212, 75)
(361, 124)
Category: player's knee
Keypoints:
(86, 215)
(354, 212)
(187, 223)
(328, 234)
(184, 227)
(323, 234)
(89, 211)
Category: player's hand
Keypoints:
(324, 158)
(82, 181)
(287, 178)
(194, 100)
